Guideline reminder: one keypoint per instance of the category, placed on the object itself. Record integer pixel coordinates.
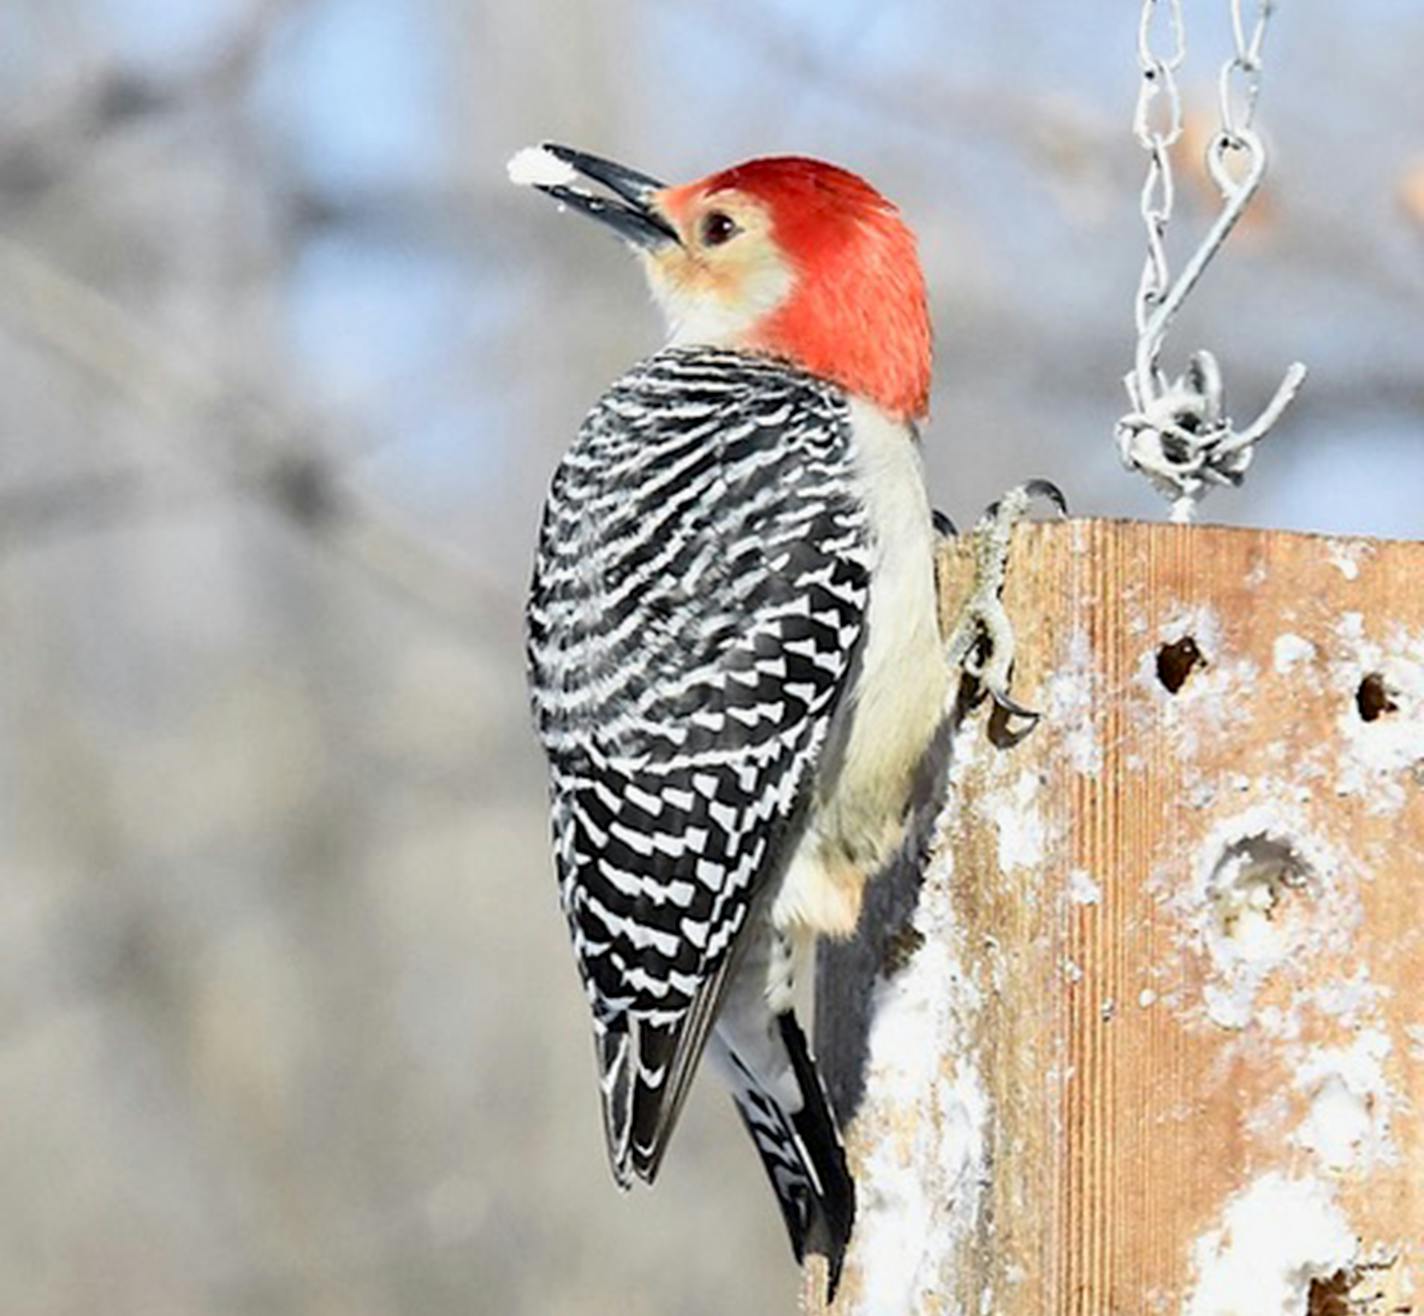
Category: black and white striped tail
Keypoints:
(803, 1154)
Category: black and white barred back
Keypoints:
(699, 595)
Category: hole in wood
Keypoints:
(1374, 698)
(1248, 887)
(1331, 1297)
(1177, 661)
(1361, 1289)
(1356, 1291)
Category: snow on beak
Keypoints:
(630, 211)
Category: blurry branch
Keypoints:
(51, 132)
(266, 458)
(87, 501)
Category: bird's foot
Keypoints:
(982, 642)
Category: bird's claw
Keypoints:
(1018, 499)
(1002, 699)
(982, 642)
(944, 527)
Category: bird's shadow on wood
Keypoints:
(847, 972)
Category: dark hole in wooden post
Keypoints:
(1373, 698)
(1177, 661)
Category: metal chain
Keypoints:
(1157, 123)
(1245, 67)
(1178, 433)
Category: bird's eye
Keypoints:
(717, 228)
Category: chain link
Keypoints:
(1244, 68)
(1157, 124)
(1178, 432)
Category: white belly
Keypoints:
(896, 704)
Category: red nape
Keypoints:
(858, 313)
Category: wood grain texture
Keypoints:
(1148, 1035)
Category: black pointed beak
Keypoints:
(631, 211)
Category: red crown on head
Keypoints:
(858, 312)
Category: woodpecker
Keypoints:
(735, 661)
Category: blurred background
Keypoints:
(288, 1023)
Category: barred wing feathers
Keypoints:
(698, 599)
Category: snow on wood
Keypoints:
(1276, 1238)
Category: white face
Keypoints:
(726, 275)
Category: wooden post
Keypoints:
(1149, 1034)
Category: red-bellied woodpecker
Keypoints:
(735, 659)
